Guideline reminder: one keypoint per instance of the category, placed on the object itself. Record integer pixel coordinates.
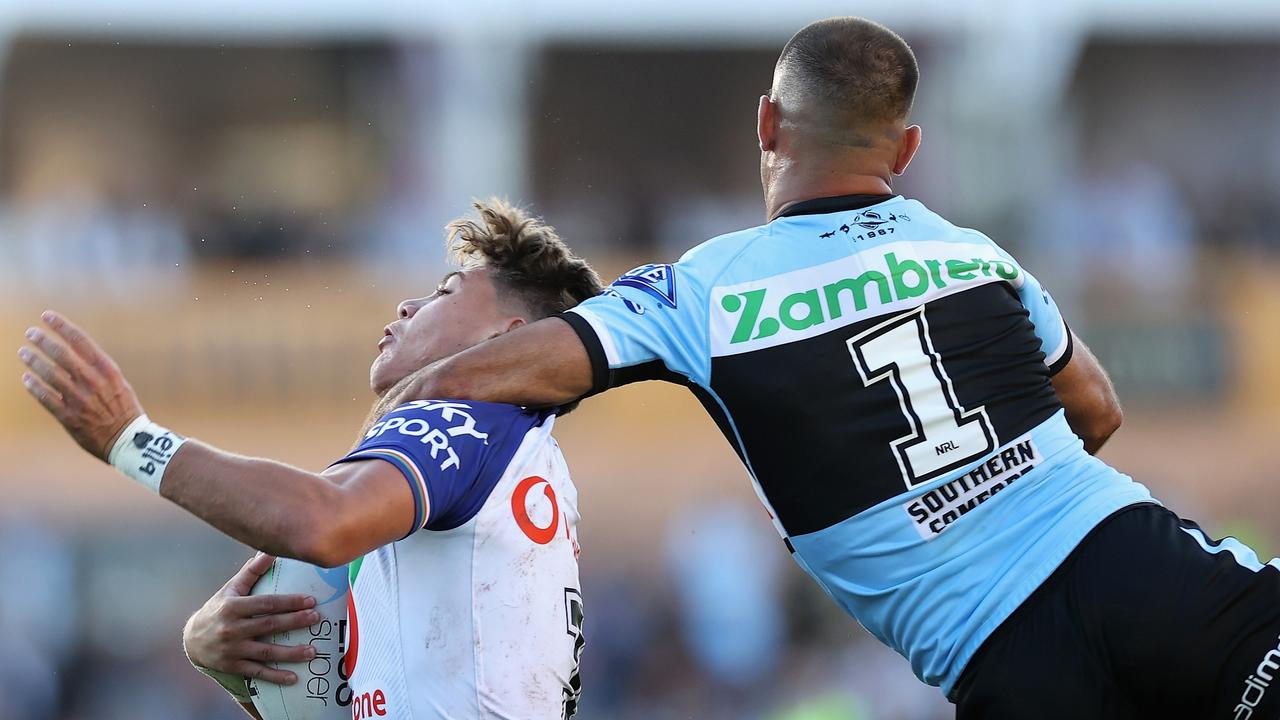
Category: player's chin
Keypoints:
(380, 381)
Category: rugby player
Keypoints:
(459, 519)
(919, 422)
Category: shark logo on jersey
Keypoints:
(867, 220)
(658, 281)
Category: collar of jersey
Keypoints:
(822, 206)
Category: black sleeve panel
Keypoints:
(1061, 362)
(600, 374)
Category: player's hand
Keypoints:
(78, 383)
(223, 634)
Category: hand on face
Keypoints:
(78, 383)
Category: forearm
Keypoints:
(541, 365)
(265, 504)
(1095, 428)
(1085, 391)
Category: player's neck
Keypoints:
(794, 184)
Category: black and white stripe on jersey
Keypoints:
(832, 455)
(822, 442)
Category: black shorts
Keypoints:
(1147, 618)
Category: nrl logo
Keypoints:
(658, 281)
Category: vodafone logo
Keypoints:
(520, 509)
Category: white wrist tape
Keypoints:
(235, 685)
(144, 450)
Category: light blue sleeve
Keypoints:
(650, 324)
(1051, 328)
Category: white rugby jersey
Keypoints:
(477, 612)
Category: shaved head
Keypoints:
(846, 81)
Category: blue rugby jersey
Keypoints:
(885, 377)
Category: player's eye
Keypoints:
(442, 290)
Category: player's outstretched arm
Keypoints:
(1085, 390)
(324, 519)
(542, 364)
(220, 639)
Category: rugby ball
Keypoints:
(321, 692)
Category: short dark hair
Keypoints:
(526, 257)
(857, 71)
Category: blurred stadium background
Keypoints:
(234, 195)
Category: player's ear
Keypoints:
(907, 148)
(767, 124)
(511, 324)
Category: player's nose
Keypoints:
(407, 308)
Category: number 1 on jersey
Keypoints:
(944, 436)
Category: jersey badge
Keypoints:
(867, 220)
(658, 281)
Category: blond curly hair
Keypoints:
(526, 256)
